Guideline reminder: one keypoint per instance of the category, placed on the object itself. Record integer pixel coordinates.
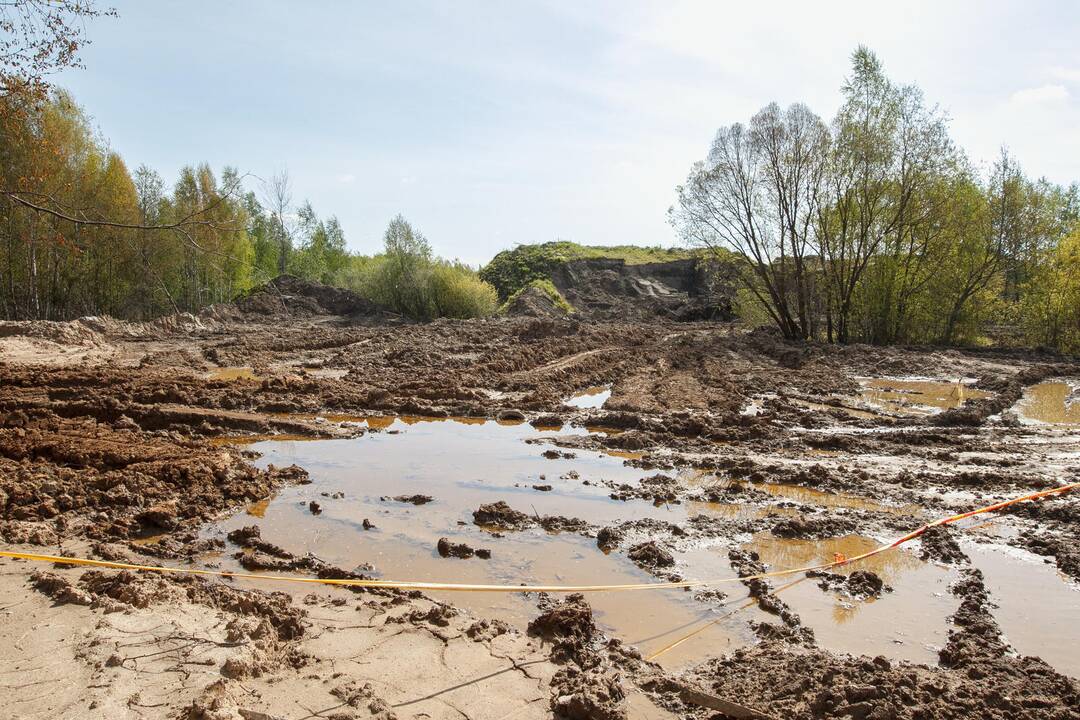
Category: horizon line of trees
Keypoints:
(82, 235)
(877, 228)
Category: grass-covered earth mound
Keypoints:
(512, 270)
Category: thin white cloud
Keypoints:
(346, 178)
(1039, 95)
(1069, 75)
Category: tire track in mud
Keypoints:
(562, 363)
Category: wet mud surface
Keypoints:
(545, 451)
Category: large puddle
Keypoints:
(1053, 403)
(463, 463)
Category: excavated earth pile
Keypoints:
(709, 449)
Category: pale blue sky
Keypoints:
(496, 123)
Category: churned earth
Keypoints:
(304, 433)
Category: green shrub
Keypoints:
(457, 292)
(408, 279)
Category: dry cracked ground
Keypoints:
(700, 450)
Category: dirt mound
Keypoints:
(690, 289)
(287, 295)
(533, 302)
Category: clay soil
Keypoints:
(114, 445)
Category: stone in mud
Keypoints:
(650, 555)
(609, 538)
(367, 524)
(547, 421)
(502, 516)
(542, 488)
(314, 507)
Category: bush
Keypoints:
(457, 292)
(408, 279)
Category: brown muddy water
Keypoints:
(1037, 608)
(1052, 402)
(916, 396)
(231, 373)
(464, 463)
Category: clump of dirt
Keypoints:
(59, 588)
(461, 550)
(938, 544)
(587, 687)
(411, 499)
(861, 584)
(813, 528)
(568, 625)
(483, 629)
(501, 516)
(438, 614)
(608, 538)
(649, 555)
(595, 693)
(357, 695)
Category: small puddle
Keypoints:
(808, 496)
(593, 397)
(918, 396)
(1038, 609)
(233, 373)
(909, 623)
(821, 498)
(737, 511)
(1051, 403)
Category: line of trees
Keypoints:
(81, 235)
(877, 228)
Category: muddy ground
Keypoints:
(122, 441)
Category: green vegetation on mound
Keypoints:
(513, 270)
(545, 286)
